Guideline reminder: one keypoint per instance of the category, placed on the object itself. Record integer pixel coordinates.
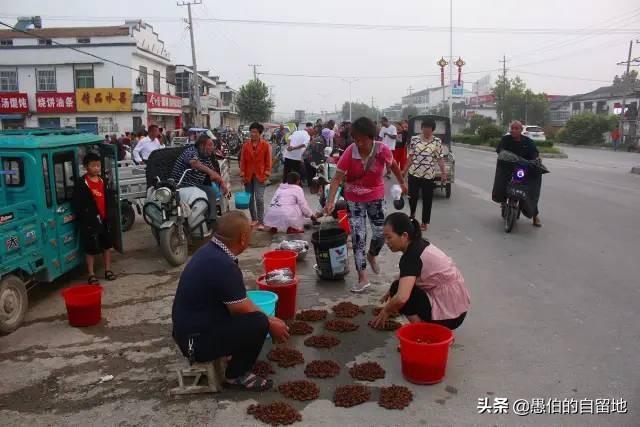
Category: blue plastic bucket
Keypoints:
(265, 300)
(242, 199)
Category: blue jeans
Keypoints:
(256, 202)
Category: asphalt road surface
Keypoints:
(554, 316)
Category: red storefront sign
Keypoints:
(56, 102)
(14, 102)
(482, 99)
(157, 101)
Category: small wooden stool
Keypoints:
(190, 376)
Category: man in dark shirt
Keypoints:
(524, 147)
(198, 159)
(212, 316)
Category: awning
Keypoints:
(163, 112)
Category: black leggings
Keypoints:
(417, 185)
(240, 337)
(291, 166)
(419, 304)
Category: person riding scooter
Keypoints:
(198, 159)
(524, 147)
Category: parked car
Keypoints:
(534, 132)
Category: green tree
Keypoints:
(626, 79)
(254, 103)
(409, 111)
(587, 129)
(515, 102)
(489, 131)
(478, 120)
(360, 109)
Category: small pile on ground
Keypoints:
(340, 325)
(297, 327)
(367, 371)
(299, 390)
(351, 395)
(347, 309)
(263, 369)
(389, 325)
(322, 369)
(395, 397)
(312, 315)
(285, 357)
(276, 413)
(321, 341)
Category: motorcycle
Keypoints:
(518, 190)
(325, 170)
(177, 215)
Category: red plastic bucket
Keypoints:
(274, 260)
(343, 220)
(287, 295)
(84, 304)
(424, 349)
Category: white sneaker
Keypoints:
(359, 287)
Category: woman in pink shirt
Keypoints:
(362, 167)
(289, 211)
(431, 288)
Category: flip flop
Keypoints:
(108, 274)
(249, 382)
(93, 280)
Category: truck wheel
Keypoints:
(447, 190)
(174, 245)
(14, 303)
(128, 215)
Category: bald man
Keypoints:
(212, 316)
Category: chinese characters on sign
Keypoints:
(13, 102)
(539, 406)
(103, 99)
(55, 102)
(157, 101)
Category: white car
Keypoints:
(534, 132)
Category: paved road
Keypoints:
(554, 315)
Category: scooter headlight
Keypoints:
(162, 195)
(520, 173)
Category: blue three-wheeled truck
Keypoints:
(39, 239)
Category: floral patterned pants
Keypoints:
(358, 213)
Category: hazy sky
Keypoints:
(227, 48)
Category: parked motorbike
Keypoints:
(177, 215)
(325, 170)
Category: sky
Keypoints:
(388, 56)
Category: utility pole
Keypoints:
(625, 81)
(255, 73)
(195, 92)
(409, 90)
(504, 85)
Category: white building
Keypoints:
(217, 99)
(44, 83)
(430, 98)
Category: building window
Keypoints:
(183, 88)
(49, 122)
(84, 40)
(13, 171)
(47, 183)
(588, 106)
(143, 78)
(8, 81)
(84, 79)
(87, 124)
(6, 42)
(64, 175)
(46, 80)
(45, 42)
(156, 81)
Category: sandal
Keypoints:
(108, 274)
(93, 280)
(248, 382)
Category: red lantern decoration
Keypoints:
(459, 63)
(442, 63)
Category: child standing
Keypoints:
(288, 210)
(90, 206)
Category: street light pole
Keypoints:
(451, 60)
(349, 81)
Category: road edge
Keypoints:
(485, 148)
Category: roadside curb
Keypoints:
(636, 170)
(485, 148)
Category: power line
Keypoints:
(555, 76)
(373, 27)
(333, 76)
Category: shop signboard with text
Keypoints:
(103, 99)
(160, 102)
(14, 102)
(55, 102)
